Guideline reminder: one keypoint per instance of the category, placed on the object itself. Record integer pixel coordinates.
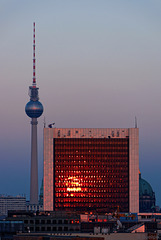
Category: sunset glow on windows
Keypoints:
(91, 174)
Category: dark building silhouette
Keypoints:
(146, 196)
(41, 194)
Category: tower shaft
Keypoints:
(34, 164)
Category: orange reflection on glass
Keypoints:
(78, 189)
(73, 184)
(92, 177)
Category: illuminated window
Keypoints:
(100, 169)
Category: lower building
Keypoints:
(11, 203)
(87, 169)
(47, 221)
(33, 207)
(67, 225)
(11, 227)
(88, 236)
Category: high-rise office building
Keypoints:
(91, 169)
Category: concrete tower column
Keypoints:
(34, 164)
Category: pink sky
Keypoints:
(98, 65)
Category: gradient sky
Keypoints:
(98, 65)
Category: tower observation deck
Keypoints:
(34, 110)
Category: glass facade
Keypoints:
(91, 174)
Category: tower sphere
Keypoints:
(34, 109)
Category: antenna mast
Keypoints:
(34, 59)
(33, 90)
(44, 122)
(136, 122)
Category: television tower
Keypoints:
(34, 110)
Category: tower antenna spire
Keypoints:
(136, 125)
(34, 59)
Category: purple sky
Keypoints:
(98, 65)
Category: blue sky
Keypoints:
(98, 65)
